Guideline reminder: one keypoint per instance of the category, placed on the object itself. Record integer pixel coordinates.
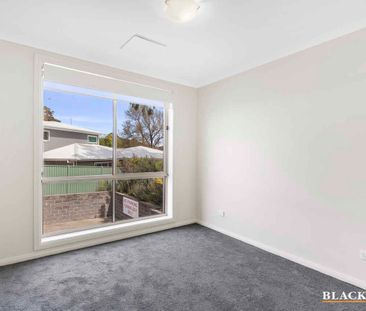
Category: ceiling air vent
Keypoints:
(140, 37)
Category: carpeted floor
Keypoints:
(188, 268)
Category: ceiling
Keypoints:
(225, 38)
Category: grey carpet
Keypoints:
(188, 268)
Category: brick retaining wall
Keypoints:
(70, 207)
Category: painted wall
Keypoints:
(16, 165)
(282, 151)
(63, 138)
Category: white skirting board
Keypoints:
(93, 242)
(307, 263)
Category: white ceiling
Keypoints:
(227, 36)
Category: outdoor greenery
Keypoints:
(143, 127)
(139, 165)
(149, 190)
(121, 142)
(144, 124)
(48, 114)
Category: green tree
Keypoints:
(121, 142)
(144, 124)
(106, 140)
(48, 115)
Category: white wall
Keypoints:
(16, 165)
(282, 150)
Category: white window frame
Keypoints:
(109, 232)
(89, 142)
(49, 135)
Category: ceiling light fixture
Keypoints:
(181, 10)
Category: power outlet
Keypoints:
(363, 254)
(222, 213)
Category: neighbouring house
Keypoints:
(66, 144)
(57, 134)
(96, 155)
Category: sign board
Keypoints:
(130, 207)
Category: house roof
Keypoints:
(92, 152)
(139, 152)
(53, 125)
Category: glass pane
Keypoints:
(46, 135)
(140, 138)
(76, 205)
(80, 134)
(93, 139)
(139, 198)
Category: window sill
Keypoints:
(102, 232)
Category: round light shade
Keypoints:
(181, 10)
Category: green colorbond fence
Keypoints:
(75, 186)
(69, 170)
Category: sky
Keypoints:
(89, 112)
(89, 108)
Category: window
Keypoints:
(46, 135)
(119, 176)
(103, 164)
(92, 139)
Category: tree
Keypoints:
(48, 114)
(144, 124)
(107, 140)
